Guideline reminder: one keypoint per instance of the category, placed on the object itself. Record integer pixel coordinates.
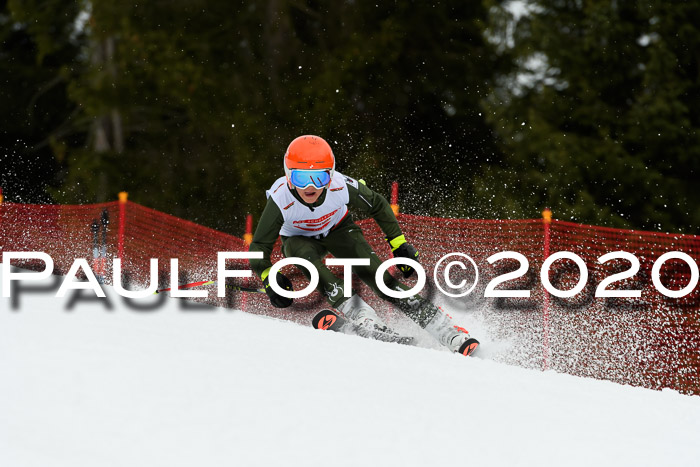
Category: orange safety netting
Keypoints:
(651, 341)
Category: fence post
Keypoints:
(248, 236)
(123, 196)
(546, 222)
(395, 198)
(1, 200)
(248, 239)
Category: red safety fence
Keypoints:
(652, 340)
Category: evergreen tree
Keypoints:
(601, 120)
(170, 109)
(38, 46)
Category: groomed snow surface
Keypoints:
(94, 382)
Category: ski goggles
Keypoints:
(305, 178)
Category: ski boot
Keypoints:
(453, 337)
(357, 310)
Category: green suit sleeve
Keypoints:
(266, 235)
(375, 205)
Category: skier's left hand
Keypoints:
(400, 247)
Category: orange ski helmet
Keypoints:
(307, 156)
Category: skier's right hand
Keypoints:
(276, 299)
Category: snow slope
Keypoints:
(93, 382)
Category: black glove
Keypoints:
(276, 299)
(401, 248)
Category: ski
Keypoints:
(330, 320)
(468, 347)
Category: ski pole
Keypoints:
(186, 286)
(238, 288)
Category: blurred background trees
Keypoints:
(491, 109)
(601, 118)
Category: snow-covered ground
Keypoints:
(93, 382)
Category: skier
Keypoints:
(308, 207)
